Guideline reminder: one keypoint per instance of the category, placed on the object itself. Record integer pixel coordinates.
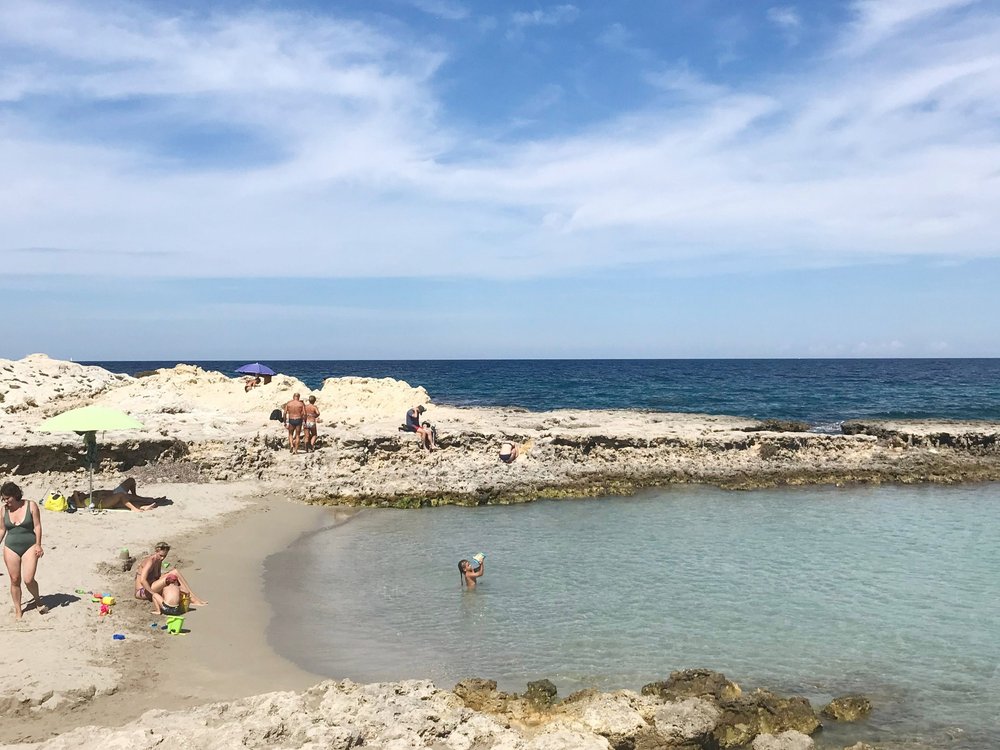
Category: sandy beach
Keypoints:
(64, 668)
(239, 495)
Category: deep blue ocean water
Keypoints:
(820, 391)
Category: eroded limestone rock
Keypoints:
(694, 683)
(848, 708)
(790, 740)
(763, 712)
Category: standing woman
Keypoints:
(22, 544)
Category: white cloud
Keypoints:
(553, 16)
(892, 149)
(683, 81)
(880, 19)
(784, 16)
(447, 9)
(788, 20)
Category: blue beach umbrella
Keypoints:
(256, 369)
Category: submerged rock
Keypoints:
(848, 708)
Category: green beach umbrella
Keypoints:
(88, 421)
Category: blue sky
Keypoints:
(445, 178)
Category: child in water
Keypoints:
(469, 573)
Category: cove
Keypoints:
(887, 590)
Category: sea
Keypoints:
(823, 392)
(890, 591)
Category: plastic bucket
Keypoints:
(174, 624)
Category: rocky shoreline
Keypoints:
(203, 424)
(692, 710)
(202, 427)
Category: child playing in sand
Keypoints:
(150, 581)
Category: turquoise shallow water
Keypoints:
(890, 591)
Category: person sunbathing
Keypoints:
(125, 495)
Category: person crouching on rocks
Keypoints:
(425, 431)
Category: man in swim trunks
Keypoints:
(21, 540)
(125, 495)
(311, 418)
(150, 581)
(295, 412)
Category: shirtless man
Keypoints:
(150, 581)
(470, 574)
(311, 417)
(295, 412)
(125, 495)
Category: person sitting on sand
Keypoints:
(125, 495)
(150, 581)
(413, 425)
(21, 540)
(470, 574)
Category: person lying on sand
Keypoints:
(123, 496)
(150, 582)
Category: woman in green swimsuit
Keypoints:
(21, 539)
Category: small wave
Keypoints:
(828, 428)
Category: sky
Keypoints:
(411, 179)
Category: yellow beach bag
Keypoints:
(55, 501)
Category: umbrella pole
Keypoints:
(91, 486)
